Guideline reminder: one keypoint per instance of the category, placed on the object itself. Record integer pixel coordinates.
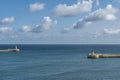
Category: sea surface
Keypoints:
(59, 62)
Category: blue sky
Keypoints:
(59, 22)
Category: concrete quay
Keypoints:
(11, 50)
(98, 55)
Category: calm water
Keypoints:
(59, 62)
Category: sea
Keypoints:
(58, 62)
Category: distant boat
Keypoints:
(11, 50)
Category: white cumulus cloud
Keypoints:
(25, 28)
(46, 24)
(65, 10)
(7, 20)
(36, 7)
(107, 13)
(5, 29)
(112, 31)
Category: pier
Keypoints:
(11, 50)
(94, 55)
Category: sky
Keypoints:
(59, 22)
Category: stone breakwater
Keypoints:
(98, 55)
(11, 50)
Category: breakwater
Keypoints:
(11, 50)
(99, 55)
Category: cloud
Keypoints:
(65, 10)
(112, 31)
(66, 30)
(97, 3)
(25, 28)
(5, 29)
(107, 13)
(37, 29)
(7, 20)
(36, 7)
(46, 24)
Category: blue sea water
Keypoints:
(59, 62)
